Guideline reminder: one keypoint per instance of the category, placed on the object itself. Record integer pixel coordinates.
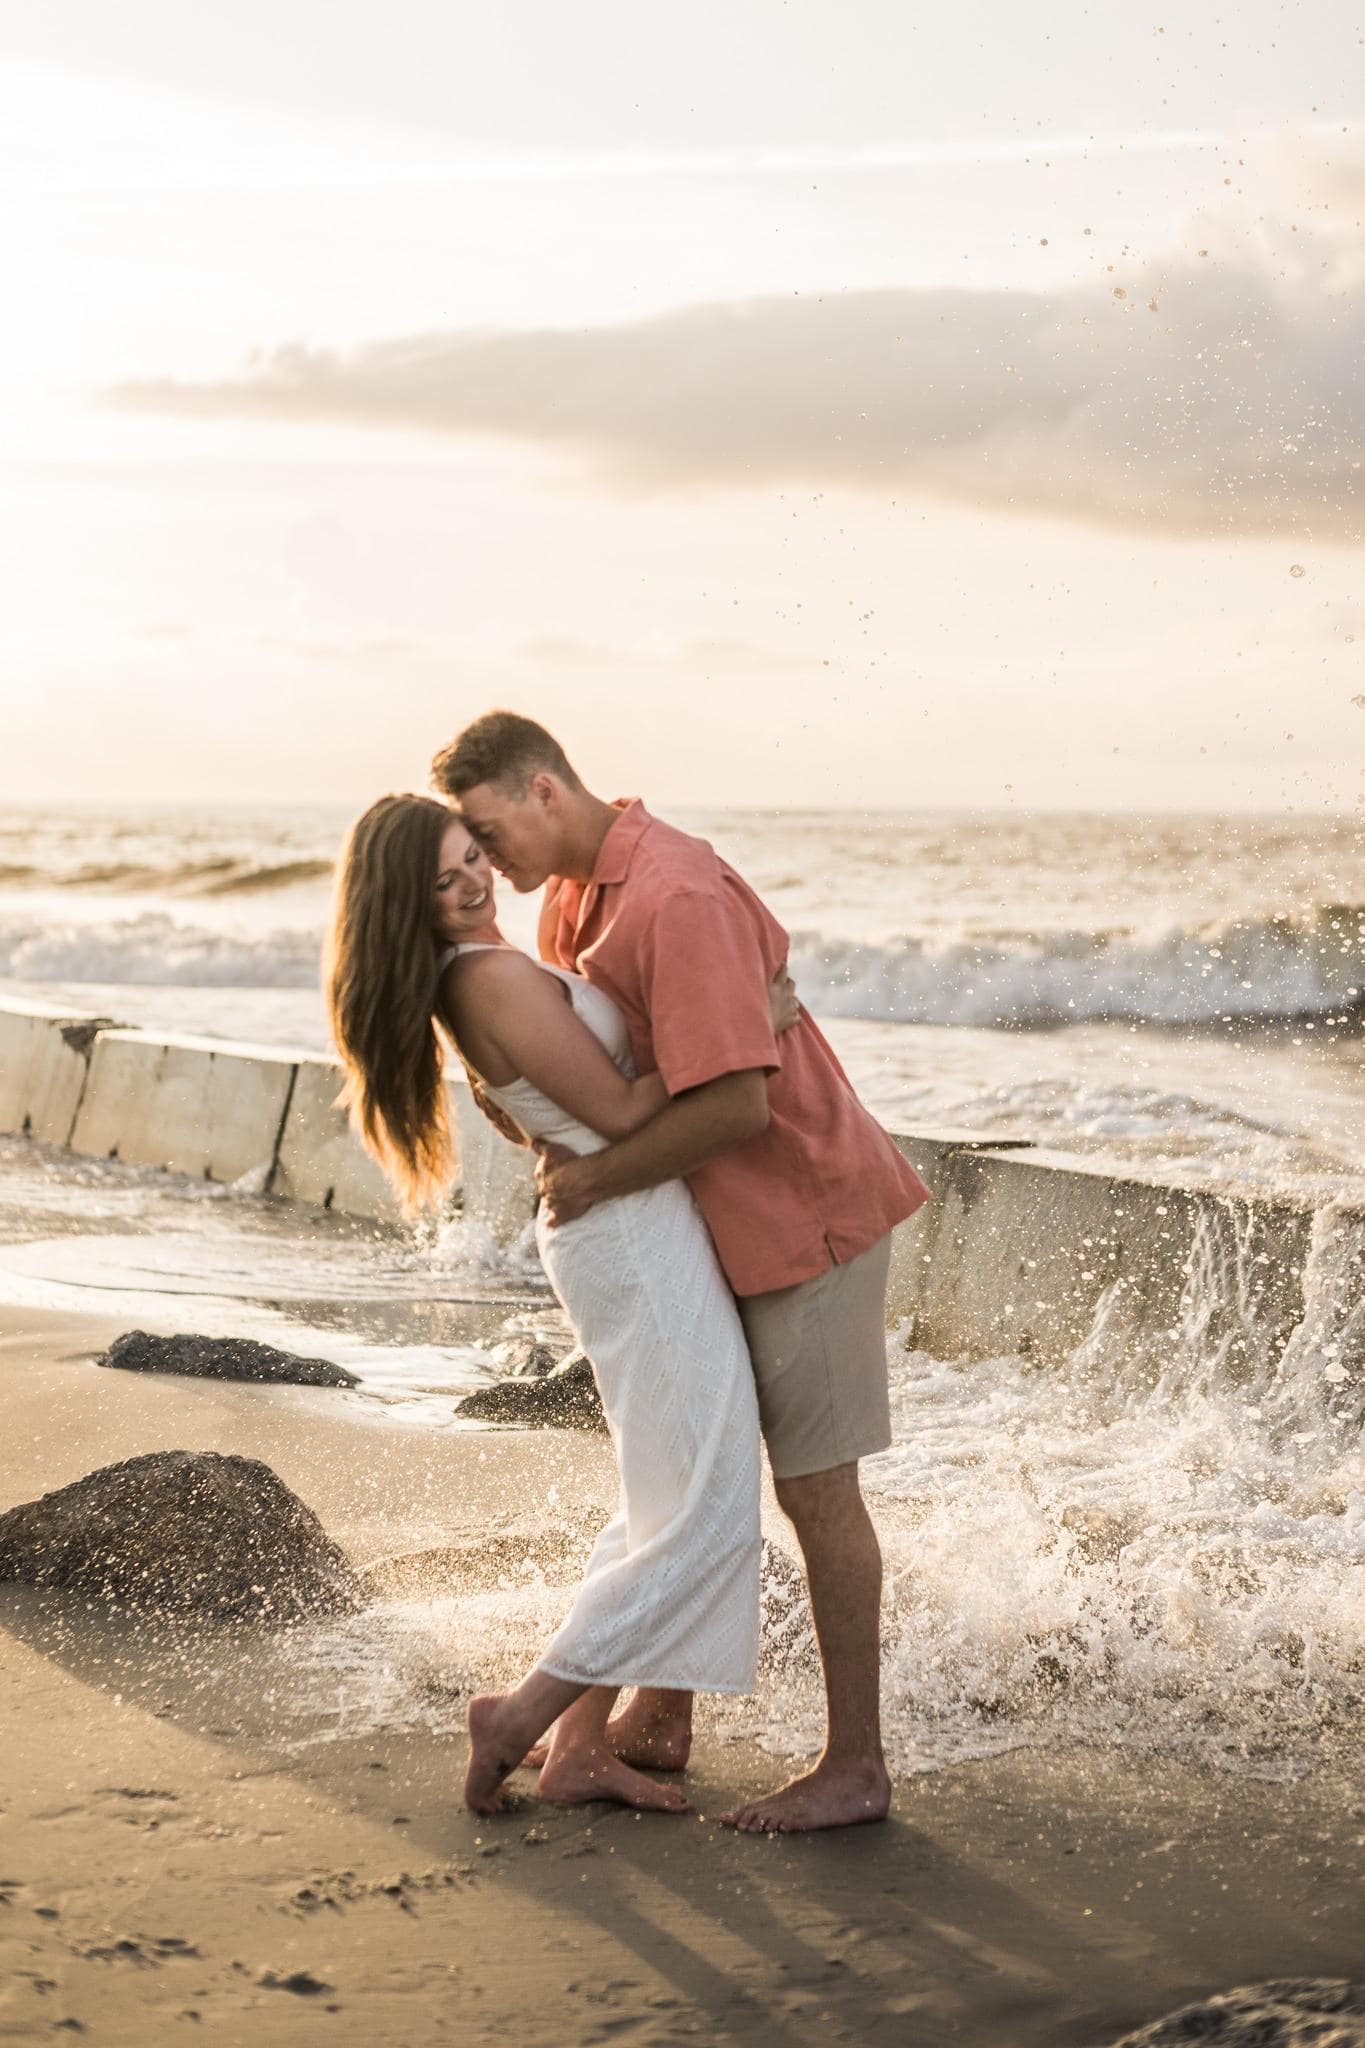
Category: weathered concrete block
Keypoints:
(1031, 1251)
(321, 1160)
(43, 1059)
(497, 1177)
(199, 1106)
(930, 1153)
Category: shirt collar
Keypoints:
(617, 850)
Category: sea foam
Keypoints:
(1275, 967)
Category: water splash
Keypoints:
(464, 1248)
(1159, 1545)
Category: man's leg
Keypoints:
(819, 1352)
(843, 1560)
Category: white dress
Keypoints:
(671, 1593)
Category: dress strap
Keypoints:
(481, 947)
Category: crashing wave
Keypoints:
(1251, 968)
(156, 950)
(1273, 967)
(221, 875)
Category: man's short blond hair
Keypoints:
(501, 747)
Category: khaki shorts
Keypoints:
(819, 1352)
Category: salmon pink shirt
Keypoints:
(686, 949)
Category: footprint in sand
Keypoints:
(300, 1982)
(147, 1952)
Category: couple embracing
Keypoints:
(715, 1218)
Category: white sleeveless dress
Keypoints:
(671, 1593)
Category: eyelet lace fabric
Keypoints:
(671, 1593)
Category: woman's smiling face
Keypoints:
(464, 884)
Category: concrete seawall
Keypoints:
(261, 1116)
(1023, 1250)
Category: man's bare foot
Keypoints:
(830, 1796)
(651, 1741)
(648, 1742)
(493, 1753)
(577, 1776)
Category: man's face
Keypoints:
(520, 833)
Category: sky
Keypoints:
(793, 405)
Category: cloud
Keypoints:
(1213, 389)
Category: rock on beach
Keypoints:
(223, 1358)
(1287, 2012)
(566, 1398)
(190, 1533)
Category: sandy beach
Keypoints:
(196, 1847)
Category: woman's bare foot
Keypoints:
(494, 1752)
(830, 1796)
(576, 1776)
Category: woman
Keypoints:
(670, 1597)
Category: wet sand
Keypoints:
(173, 1867)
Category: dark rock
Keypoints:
(566, 1398)
(182, 1532)
(1288, 2012)
(530, 1358)
(223, 1358)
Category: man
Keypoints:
(799, 1185)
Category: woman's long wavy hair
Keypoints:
(381, 979)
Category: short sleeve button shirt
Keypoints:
(687, 950)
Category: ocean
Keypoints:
(1164, 1550)
(1187, 992)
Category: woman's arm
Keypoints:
(526, 1014)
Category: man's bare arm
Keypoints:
(695, 1127)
